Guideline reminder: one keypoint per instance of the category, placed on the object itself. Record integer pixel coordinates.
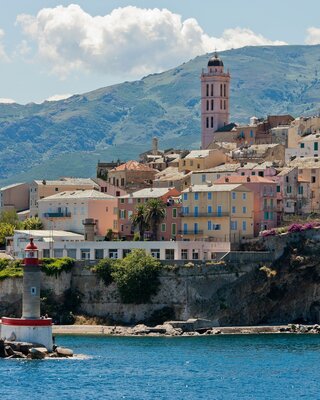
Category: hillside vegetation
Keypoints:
(120, 120)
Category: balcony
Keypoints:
(205, 214)
(198, 232)
(57, 215)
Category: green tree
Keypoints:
(155, 213)
(138, 219)
(32, 223)
(5, 230)
(10, 217)
(136, 276)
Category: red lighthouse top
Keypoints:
(31, 254)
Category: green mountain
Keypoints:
(68, 137)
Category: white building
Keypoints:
(63, 244)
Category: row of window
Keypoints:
(210, 89)
(209, 196)
(211, 226)
(315, 146)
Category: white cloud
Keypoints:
(3, 54)
(58, 97)
(313, 36)
(6, 101)
(129, 41)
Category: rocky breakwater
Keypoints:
(33, 351)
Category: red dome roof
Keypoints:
(31, 245)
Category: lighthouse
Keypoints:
(30, 327)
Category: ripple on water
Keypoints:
(216, 367)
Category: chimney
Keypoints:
(89, 227)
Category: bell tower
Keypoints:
(215, 90)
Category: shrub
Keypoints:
(270, 232)
(271, 273)
(55, 266)
(295, 228)
(137, 277)
(10, 269)
(104, 270)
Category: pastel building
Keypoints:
(222, 213)
(307, 146)
(212, 174)
(67, 211)
(198, 160)
(132, 176)
(41, 189)
(14, 197)
(264, 199)
(309, 171)
(169, 227)
(215, 88)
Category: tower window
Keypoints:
(207, 90)
(211, 122)
(220, 104)
(225, 90)
(221, 90)
(212, 89)
(207, 105)
(207, 124)
(225, 104)
(212, 105)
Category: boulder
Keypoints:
(64, 352)
(38, 353)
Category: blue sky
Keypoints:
(73, 49)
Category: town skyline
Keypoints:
(51, 50)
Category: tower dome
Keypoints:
(215, 61)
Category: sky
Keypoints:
(52, 49)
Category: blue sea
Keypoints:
(138, 368)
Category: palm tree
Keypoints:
(154, 214)
(138, 219)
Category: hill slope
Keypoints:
(120, 120)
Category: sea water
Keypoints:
(207, 367)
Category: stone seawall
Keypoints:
(184, 289)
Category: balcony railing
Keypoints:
(57, 215)
(205, 214)
(193, 232)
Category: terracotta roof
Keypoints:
(133, 165)
(243, 179)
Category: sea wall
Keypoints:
(181, 288)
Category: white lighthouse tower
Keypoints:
(215, 107)
(30, 328)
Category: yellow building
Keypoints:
(197, 160)
(217, 212)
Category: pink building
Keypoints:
(264, 199)
(66, 211)
(108, 188)
(215, 88)
(169, 227)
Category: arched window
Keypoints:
(225, 90)
(207, 105)
(220, 104)
(225, 104)
(212, 105)
(212, 89)
(221, 90)
(211, 122)
(207, 122)
(207, 89)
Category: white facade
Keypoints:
(85, 250)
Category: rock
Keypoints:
(12, 337)
(64, 352)
(37, 353)
(2, 349)
(18, 354)
(140, 330)
(8, 350)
